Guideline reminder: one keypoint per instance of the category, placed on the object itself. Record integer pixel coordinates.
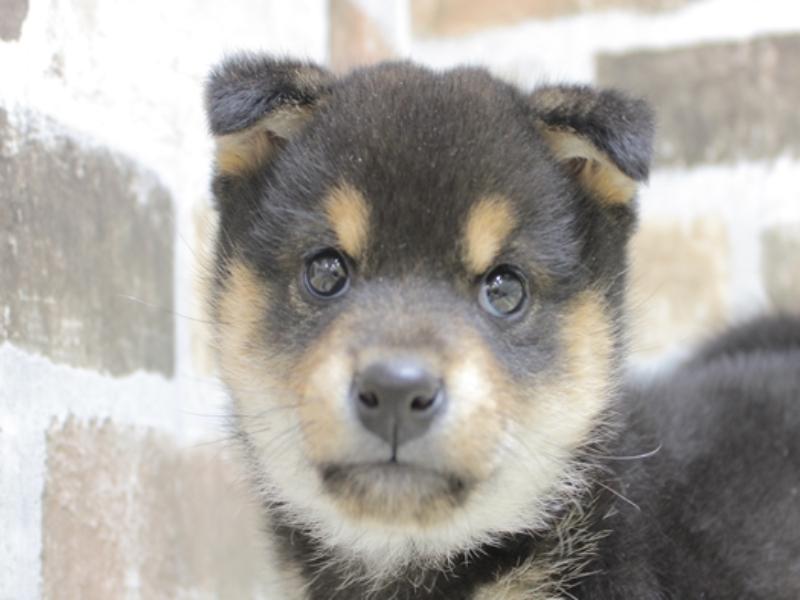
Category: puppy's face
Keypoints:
(418, 277)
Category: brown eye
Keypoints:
(502, 292)
(326, 274)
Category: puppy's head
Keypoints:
(419, 277)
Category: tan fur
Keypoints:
(588, 337)
(584, 386)
(483, 390)
(548, 575)
(596, 172)
(241, 308)
(465, 446)
(529, 581)
(244, 151)
(348, 214)
(489, 223)
(492, 434)
(325, 370)
(585, 374)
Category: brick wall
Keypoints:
(116, 479)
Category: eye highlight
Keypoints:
(326, 275)
(502, 291)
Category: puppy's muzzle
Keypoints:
(398, 399)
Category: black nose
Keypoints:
(397, 400)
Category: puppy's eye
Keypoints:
(326, 274)
(503, 291)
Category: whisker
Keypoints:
(647, 454)
(618, 495)
(164, 309)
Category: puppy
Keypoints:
(419, 306)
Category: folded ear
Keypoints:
(255, 103)
(602, 136)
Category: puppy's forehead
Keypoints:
(479, 238)
(425, 163)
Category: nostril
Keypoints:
(368, 399)
(422, 403)
(397, 400)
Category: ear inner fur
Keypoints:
(619, 126)
(244, 151)
(597, 173)
(609, 133)
(253, 101)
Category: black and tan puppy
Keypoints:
(419, 306)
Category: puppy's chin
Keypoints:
(394, 493)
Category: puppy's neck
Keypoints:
(547, 562)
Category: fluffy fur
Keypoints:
(543, 478)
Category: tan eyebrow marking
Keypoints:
(489, 223)
(348, 214)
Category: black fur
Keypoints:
(246, 87)
(715, 511)
(717, 507)
(779, 334)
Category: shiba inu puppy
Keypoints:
(419, 299)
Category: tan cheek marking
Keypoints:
(320, 381)
(489, 223)
(569, 399)
(480, 399)
(245, 151)
(582, 387)
(588, 340)
(569, 403)
(348, 214)
(596, 172)
(241, 308)
(312, 384)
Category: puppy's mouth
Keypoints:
(394, 490)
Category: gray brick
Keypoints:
(81, 231)
(12, 16)
(717, 103)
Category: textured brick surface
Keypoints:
(678, 282)
(780, 266)
(129, 514)
(458, 17)
(202, 336)
(355, 38)
(12, 16)
(719, 102)
(81, 231)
